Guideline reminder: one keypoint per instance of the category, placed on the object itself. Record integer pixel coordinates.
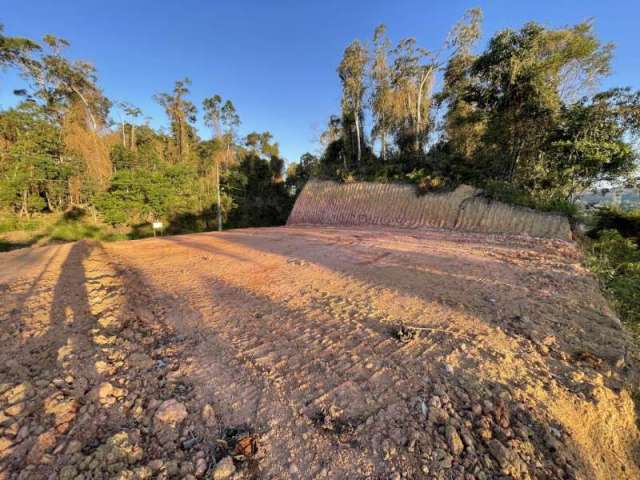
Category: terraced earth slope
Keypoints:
(312, 353)
(324, 202)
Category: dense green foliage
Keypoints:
(614, 255)
(522, 119)
(60, 150)
(627, 223)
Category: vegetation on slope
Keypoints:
(613, 254)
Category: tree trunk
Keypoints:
(132, 139)
(179, 134)
(23, 208)
(383, 148)
(418, 119)
(94, 125)
(218, 196)
(124, 138)
(421, 86)
(358, 136)
(49, 206)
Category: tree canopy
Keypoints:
(525, 112)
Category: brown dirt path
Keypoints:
(298, 338)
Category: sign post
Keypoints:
(157, 226)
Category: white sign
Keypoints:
(157, 225)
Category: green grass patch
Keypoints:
(9, 222)
(16, 232)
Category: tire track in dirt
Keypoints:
(322, 355)
(320, 339)
(288, 334)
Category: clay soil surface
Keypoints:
(312, 353)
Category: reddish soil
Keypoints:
(312, 353)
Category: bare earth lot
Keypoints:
(289, 348)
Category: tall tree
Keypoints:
(69, 93)
(462, 128)
(352, 70)
(521, 81)
(381, 96)
(133, 113)
(60, 83)
(223, 119)
(413, 76)
(182, 115)
(16, 51)
(212, 118)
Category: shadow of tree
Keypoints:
(283, 362)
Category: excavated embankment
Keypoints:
(393, 205)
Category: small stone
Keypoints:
(438, 415)
(201, 467)
(171, 413)
(172, 468)
(443, 459)
(186, 468)
(22, 433)
(45, 442)
(68, 472)
(453, 440)
(144, 472)
(73, 447)
(58, 382)
(208, 415)
(108, 394)
(224, 469)
(293, 470)
(501, 453)
(155, 465)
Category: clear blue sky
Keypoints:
(276, 59)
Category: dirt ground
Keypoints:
(305, 353)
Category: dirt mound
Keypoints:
(312, 353)
(360, 204)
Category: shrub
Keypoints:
(510, 193)
(627, 223)
(616, 261)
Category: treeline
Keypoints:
(66, 146)
(523, 118)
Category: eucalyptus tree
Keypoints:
(381, 95)
(413, 77)
(230, 121)
(460, 131)
(133, 113)
(16, 51)
(352, 71)
(212, 118)
(182, 114)
(223, 120)
(60, 83)
(68, 92)
(262, 143)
